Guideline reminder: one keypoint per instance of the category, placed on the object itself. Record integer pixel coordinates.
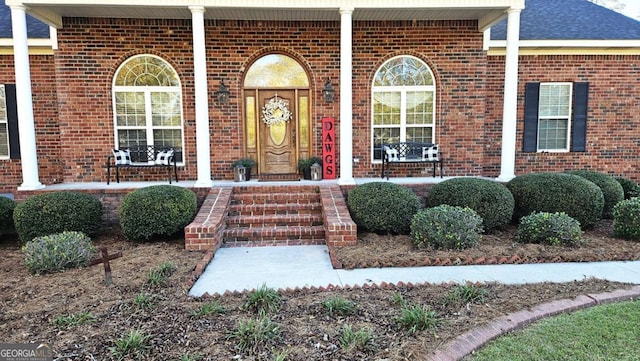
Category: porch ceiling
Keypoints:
(486, 12)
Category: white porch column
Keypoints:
(346, 96)
(510, 107)
(28, 154)
(203, 156)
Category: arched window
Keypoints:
(147, 104)
(403, 103)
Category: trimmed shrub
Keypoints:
(626, 219)
(57, 252)
(50, 213)
(156, 211)
(447, 227)
(6, 214)
(557, 192)
(610, 187)
(631, 189)
(383, 207)
(490, 200)
(549, 228)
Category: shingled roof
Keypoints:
(35, 28)
(570, 20)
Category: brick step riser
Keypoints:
(289, 242)
(273, 233)
(275, 199)
(276, 189)
(274, 209)
(258, 224)
(253, 221)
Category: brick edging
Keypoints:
(474, 339)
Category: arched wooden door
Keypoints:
(277, 114)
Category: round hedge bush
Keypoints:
(490, 200)
(610, 187)
(155, 211)
(50, 213)
(626, 219)
(557, 192)
(446, 227)
(57, 252)
(549, 228)
(383, 207)
(631, 189)
(6, 214)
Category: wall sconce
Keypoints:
(223, 93)
(328, 92)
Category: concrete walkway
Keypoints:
(238, 269)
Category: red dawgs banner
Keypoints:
(328, 148)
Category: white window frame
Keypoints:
(4, 121)
(147, 91)
(403, 90)
(568, 117)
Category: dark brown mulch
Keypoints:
(375, 250)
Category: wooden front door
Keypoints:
(278, 153)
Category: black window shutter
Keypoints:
(531, 101)
(579, 121)
(12, 117)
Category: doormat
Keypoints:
(269, 177)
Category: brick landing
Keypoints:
(246, 216)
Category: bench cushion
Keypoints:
(122, 157)
(163, 157)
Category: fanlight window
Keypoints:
(147, 102)
(403, 102)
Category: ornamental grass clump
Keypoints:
(383, 207)
(57, 252)
(556, 229)
(156, 211)
(557, 192)
(57, 212)
(490, 200)
(446, 227)
(626, 219)
(611, 189)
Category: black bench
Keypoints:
(144, 156)
(410, 152)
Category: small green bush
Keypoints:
(414, 318)
(610, 187)
(57, 252)
(631, 189)
(156, 211)
(626, 219)
(447, 227)
(383, 207)
(50, 213)
(549, 228)
(263, 299)
(557, 192)
(6, 214)
(490, 200)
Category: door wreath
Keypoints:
(275, 112)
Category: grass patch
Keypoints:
(209, 308)
(143, 301)
(75, 319)
(134, 344)
(187, 357)
(357, 340)
(254, 334)
(159, 276)
(263, 299)
(414, 318)
(337, 305)
(463, 294)
(608, 332)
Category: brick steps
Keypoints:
(274, 215)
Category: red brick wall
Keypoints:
(46, 122)
(613, 120)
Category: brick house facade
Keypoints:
(74, 112)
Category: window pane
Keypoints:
(4, 132)
(386, 108)
(422, 134)
(403, 71)
(169, 138)
(276, 70)
(165, 109)
(552, 134)
(419, 107)
(130, 109)
(384, 135)
(555, 100)
(146, 70)
(131, 137)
